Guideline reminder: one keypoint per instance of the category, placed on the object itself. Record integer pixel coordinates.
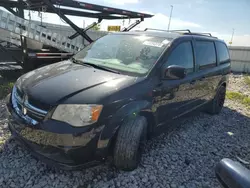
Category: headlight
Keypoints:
(77, 115)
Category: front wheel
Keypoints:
(129, 142)
(217, 103)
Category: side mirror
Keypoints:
(174, 72)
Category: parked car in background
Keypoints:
(114, 94)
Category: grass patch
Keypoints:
(7, 80)
(237, 96)
(5, 88)
(247, 80)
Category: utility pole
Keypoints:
(232, 37)
(170, 17)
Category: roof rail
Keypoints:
(183, 31)
(191, 33)
(209, 34)
(152, 29)
(203, 34)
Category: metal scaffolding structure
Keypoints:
(20, 31)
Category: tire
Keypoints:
(217, 103)
(129, 143)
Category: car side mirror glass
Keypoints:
(174, 72)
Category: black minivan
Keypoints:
(114, 94)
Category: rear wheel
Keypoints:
(129, 143)
(217, 103)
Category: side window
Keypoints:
(222, 52)
(182, 55)
(205, 54)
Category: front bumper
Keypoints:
(71, 150)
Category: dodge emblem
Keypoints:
(25, 100)
(24, 111)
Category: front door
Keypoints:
(178, 97)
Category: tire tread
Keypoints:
(127, 143)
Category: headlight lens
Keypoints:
(77, 115)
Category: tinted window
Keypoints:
(223, 55)
(182, 55)
(205, 53)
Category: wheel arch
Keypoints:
(224, 84)
(128, 111)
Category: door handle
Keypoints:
(157, 92)
(193, 82)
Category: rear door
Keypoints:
(206, 61)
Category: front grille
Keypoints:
(26, 110)
(35, 115)
(38, 104)
(19, 93)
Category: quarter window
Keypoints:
(222, 51)
(182, 55)
(205, 54)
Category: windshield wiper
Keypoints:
(77, 61)
(94, 65)
(101, 67)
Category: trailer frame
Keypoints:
(63, 8)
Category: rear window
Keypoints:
(222, 52)
(205, 54)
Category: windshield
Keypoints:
(125, 53)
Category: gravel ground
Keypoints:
(237, 83)
(184, 156)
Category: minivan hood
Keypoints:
(56, 82)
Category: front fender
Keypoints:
(129, 110)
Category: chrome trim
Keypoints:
(35, 113)
(16, 95)
(25, 104)
(33, 108)
(18, 111)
